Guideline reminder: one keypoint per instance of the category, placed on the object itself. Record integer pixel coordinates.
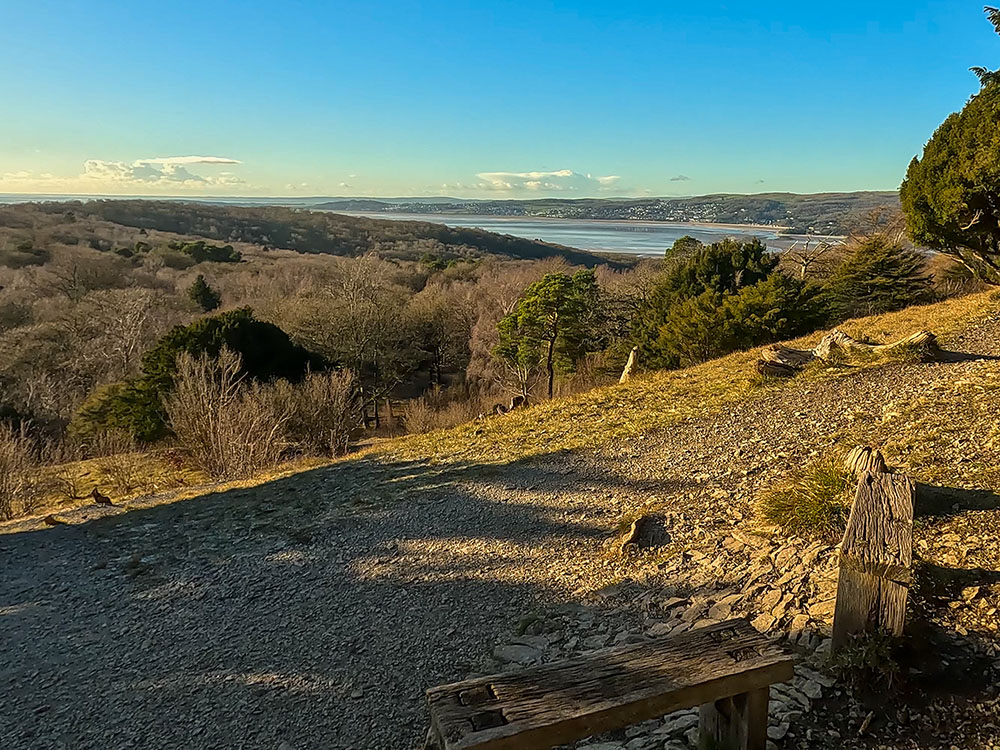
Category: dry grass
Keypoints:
(119, 462)
(650, 402)
(654, 401)
(19, 487)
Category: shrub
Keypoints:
(879, 276)
(201, 252)
(203, 295)
(435, 411)
(324, 410)
(24, 254)
(232, 427)
(950, 191)
(868, 662)
(264, 351)
(18, 461)
(713, 323)
(814, 502)
(698, 309)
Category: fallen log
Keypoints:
(783, 361)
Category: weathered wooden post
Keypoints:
(862, 459)
(876, 558)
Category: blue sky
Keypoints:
(476, 98)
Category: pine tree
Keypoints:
(878, 276)
(554, 323)
(203, 295)
(951, 194)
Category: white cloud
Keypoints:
(563, 180)
(189, 160)
(681, 178)
(159, 171)
(100, 175)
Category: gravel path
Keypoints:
(312, 612)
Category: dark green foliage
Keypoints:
(683, 248)
(694, 285)
(433, 262)
(137, 405)
(985, 75)
(203, 295)
(951, 194)
(878, 276)
(202, 252)
(712, 324)
(724, 267)
(554, 323)
(695, 329)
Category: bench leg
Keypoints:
(433, 740)
(737, 723)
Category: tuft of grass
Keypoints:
(813, 502)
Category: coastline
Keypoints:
(778, 238)
(779, 231)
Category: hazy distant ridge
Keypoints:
(819, 213)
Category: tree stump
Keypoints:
(775, 369)
(646, 532)
(633, 357)
(876, 558)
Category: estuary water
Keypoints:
(650, 238)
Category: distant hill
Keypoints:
(323, 232)
(818, 213)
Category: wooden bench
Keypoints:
(725, 668)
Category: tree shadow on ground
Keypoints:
(937, 501)
(949, 356)
(313, 610)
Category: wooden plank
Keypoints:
(876, 558)
(604, 690)
(736, 723)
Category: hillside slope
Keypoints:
(323, 232)
(313, 611)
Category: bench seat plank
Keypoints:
(603, 690)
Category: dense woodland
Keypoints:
(109, 310)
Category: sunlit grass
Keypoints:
(655, 401)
